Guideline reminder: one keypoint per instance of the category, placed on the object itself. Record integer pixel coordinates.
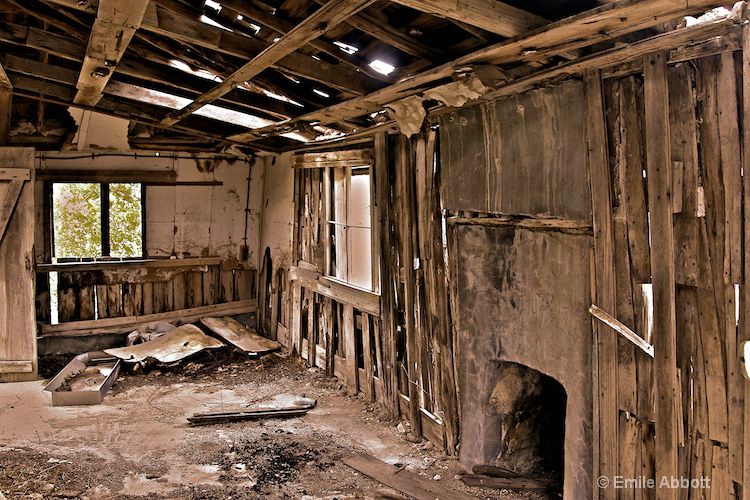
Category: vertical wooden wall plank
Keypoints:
(745, 311)
(606, 342)
(658, 165)
(389, 373)
(350, 349)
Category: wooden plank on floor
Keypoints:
(402, 480)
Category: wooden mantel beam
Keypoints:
(6, 99)
(116, 23)
(318, 23)
(490, 15)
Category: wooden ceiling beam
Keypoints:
(490, 15)
(156, 70)
(6, 102)
(116, 23)
(283, 26)
(171, 25)
(370, 25)
(318, 23)
(603, 23)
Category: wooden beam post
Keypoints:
(6, 101)
(116, 23)
(322, 20)
(658, 173)
(604, 270)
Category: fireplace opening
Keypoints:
(530, 407)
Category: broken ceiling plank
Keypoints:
(489, 15)
(601, 23)
(322, 20)
(116, 23)
(6, 102)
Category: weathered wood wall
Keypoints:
(89, 291)
(18, 354)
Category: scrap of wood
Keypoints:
(298, 407)
(402, 480)
(239, 335)
(510, 483)
(494, 471)
(622, 329)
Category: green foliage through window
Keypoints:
(77, 219)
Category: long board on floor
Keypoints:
(402, 480)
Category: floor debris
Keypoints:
(509, 483)
(240, 336)
(297, 408)
(402, 480)
(175, 345)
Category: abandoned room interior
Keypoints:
(329, 249)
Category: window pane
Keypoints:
(77, 213)
(125, 224)
(359, 198)
(360, 257)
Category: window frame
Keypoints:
(328, 173)
(104, 222)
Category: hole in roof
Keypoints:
(321, 93)
(176, 63)
(167, 100)
(345, 47)
(211, 22)
(382, 67)
(214, 5)
(316, 58)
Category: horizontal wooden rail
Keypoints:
(102, 265)
(360, 299)
(128, 323)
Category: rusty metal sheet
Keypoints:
(239, 335)
(175, 345)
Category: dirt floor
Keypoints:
(137, 444)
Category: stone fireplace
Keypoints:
(524, 347)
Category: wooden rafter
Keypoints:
(283, 26)
(318, 23)
(6, 98)
(171, 25)
(116, 23)
(490, 15)
(588, 28)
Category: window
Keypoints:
(92, 220)
(349, 249)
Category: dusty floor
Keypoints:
(138, 444)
